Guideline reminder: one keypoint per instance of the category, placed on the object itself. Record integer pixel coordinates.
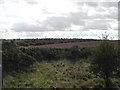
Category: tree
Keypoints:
(105, 60)
(8, 44)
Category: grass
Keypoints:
(56, 74)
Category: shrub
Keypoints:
(105, 60)
(14, 60)
(74, 52)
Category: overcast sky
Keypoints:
(58, 18)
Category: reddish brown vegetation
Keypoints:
(65, 45)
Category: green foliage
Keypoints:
(76, 53)
(104, 58)
(45, 53)
(105, 61)
(14, 60)
(118, 61)
(57, 74)
(42, 68)
(73, 53)
(7, 44)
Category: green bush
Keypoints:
(76, 53)
(14, 60)
(73, 53)
(105, 60)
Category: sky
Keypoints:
(58, 19)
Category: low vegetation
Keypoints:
(61, 67)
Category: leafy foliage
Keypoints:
(58, 53)
(42, 68)
(57, 74)
(105, 61)
(14, 60)
(105, 58)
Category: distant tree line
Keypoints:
(30, 42)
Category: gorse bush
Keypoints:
(105, 60)
(15, 61)
(76, 53)
(44, 53)
(118, 61)
(73, 53)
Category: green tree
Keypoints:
(105, 60)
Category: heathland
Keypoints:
(61, 63)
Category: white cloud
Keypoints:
(56, 18)
(99, 24)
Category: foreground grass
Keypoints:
(56, 74)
